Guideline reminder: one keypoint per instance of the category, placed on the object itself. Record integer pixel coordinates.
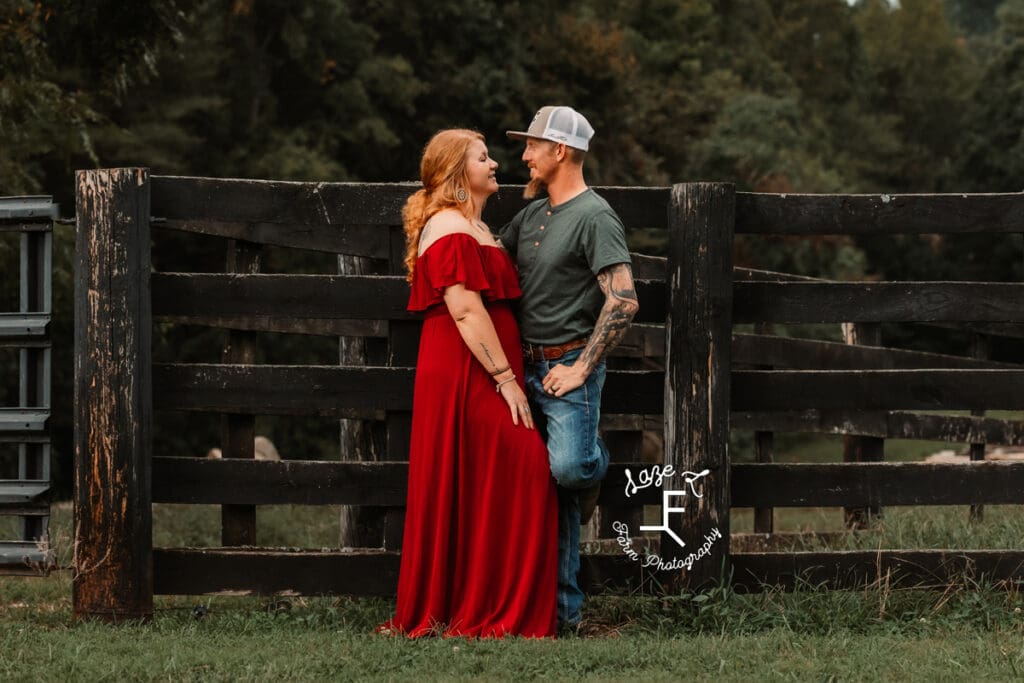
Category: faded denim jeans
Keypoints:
(579, 459)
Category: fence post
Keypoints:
(981, 348)
(238, 432)
(113, 557)
(764, 447)
(698, 330)
(862, 448)
(403, 347)
(361, 439)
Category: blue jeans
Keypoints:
(579, 460)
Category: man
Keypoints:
(578, 299)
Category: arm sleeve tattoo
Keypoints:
(620, 305)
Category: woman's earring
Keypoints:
(461, 195)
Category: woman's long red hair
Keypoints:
(443, 174)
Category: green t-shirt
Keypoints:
(559, 251)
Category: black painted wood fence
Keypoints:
(694, 394)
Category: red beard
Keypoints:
(533, 188)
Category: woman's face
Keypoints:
(480, 169)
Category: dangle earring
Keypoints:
(461, 195)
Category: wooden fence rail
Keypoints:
(698, 380)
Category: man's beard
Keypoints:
(533, 188)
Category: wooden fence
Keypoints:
(689, 304)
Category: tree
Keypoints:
(994, 157)
(920, 70)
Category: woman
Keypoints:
(480, 549)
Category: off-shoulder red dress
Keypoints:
(480, 548)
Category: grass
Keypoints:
(971, 630)
(863, 635)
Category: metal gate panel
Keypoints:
(28, 329)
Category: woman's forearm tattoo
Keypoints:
(494, 366)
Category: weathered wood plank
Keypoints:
(647, 267)
(878, 214)
(852, 569)
(185, 200)
(358, 240)
(233, 200)
(282, 389)
(113, 389)
(877, 389)
(201, 481)
(334, 390)
(890, 425)
(697, 387)
(756, 275)
(813, 354)
(853, 484)
(1010, 330)
(825, 302)
(624, 422)
(206, 571)
(185, 296)
(285, 482)
(326, 327)
(189, 297)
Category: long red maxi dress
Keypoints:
(480, 548)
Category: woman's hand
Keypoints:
(516, 400)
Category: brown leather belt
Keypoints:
(535, 352)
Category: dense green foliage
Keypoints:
(816, 95)
(774, 95)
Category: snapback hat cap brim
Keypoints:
(558, 124)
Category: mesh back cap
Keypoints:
(558, 124)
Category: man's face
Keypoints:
(541, 157)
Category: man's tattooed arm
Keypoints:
(620, 305)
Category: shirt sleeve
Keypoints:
(604, 242)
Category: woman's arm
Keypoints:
(474, 324)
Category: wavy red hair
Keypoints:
(443, 173)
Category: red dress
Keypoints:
(480, 549)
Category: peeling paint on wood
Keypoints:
(113, 530)
(697, 428)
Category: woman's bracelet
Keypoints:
(498, 372)
(504, 381)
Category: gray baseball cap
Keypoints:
(558, 124)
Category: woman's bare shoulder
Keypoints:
(441, 224)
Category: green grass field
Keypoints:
(968, 631)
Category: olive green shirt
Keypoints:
(559, 251)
